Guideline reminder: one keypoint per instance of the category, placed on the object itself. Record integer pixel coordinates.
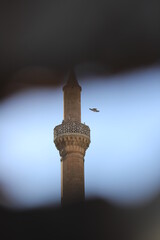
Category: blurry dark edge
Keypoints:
(33, 77)
(94, 218)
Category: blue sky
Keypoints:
(122, 163)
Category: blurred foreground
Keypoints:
(93, 219)
(40, 41)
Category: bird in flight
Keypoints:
(94, 109)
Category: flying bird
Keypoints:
(94, 109)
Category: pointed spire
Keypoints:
(72, 80)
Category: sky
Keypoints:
(122, 163)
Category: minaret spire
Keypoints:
(72, 138)
(72, 80)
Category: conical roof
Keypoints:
(72, 80)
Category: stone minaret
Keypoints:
(72, 138)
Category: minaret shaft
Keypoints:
(72, 172)
(72, 104)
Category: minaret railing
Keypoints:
(71, 127)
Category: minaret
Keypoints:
(72, 138)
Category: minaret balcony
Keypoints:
(71, 127)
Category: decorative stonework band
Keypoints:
(71, 136)
(72, 143)
(71, 127)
